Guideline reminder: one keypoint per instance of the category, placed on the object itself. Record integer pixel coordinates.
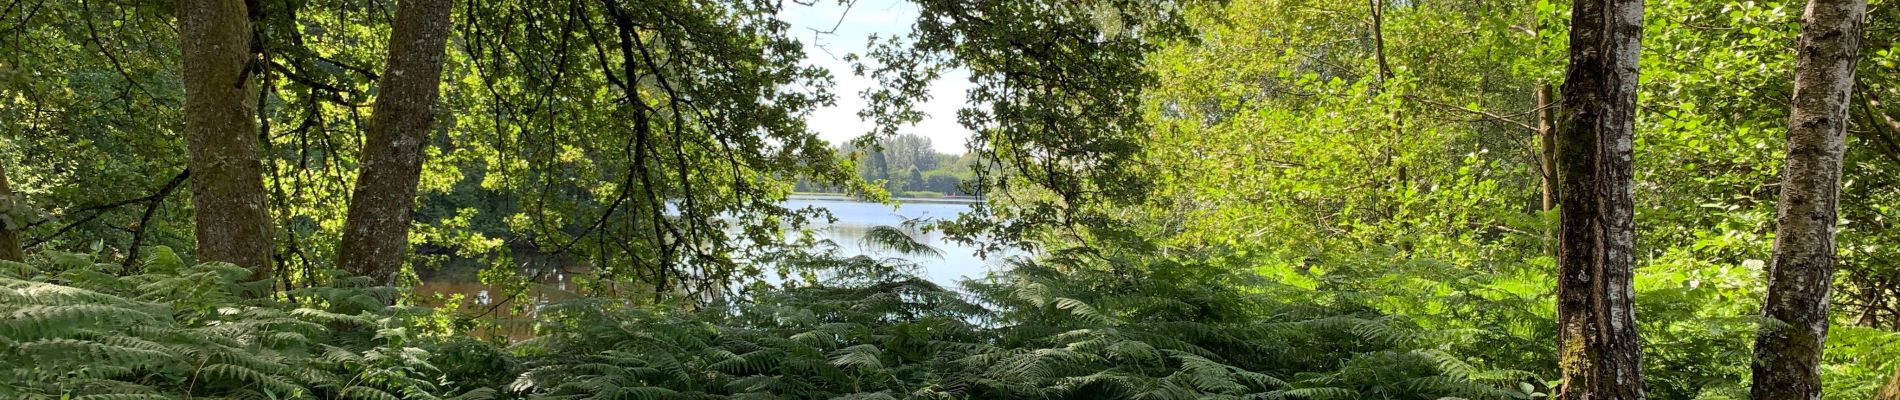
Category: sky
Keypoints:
(855, 25)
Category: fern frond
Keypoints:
(894, 239)
(123, 396)
(863, 356)
(243, 375)
(365, 393)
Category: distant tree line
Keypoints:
(905, 165)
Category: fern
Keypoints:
(897, 240)
(1036, 331)
(184, 331)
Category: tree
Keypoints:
(915, 180)
(1600, 356)
(9, 235)
(1546, 161)
(1892, 390)
(227, 189)
(1801, 278)
(911, 151)
(376, 235)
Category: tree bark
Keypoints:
(1801, 275)
(1547, 147)
(1892, 390)
(1600, 354)
(376, 233)
(9, 238)
(227, 193)
(1396, 118)
(1547, 161)
(1378, 40)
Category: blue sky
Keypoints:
(884, 18)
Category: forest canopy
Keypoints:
(1247, 199)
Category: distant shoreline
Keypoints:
(911, 200)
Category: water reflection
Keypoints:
(855, 218)
(552, 273)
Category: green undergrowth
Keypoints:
(1145, 328)
(1164, 330)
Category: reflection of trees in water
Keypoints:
(547, 277)
(850, 239)
(529, 260)
(504, 310)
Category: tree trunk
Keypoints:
(227, 191)
(1547, 147)
(1801, 275)
(1396, 117)
(1547, 161)
(9, 238)
(376, 234)
(1869, 306)
(1892, 390)
(1600, 355)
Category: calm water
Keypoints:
(855, 217)
(482, 301)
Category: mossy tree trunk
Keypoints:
(227, 186)
(1801, 276)
(1601, 356)
(376, 234)
(9, 238)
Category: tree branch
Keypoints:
(1482, 113)
(100, 210)
(145, 219)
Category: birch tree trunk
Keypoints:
(1600, 355)
(1801, 275)
(227, 186)
(376, 233)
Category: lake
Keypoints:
(855, 217)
